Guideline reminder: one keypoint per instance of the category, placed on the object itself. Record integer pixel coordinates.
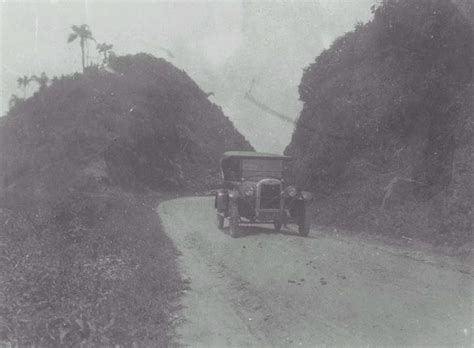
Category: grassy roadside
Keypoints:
(329, 224)
(91, 269)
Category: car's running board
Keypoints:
(261, 222)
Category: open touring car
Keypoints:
(254, 191)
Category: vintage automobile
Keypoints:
(254, 191)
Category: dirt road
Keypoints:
(266, 289)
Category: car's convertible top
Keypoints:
(252, 154)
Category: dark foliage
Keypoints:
(84, 260)
(390, 102)
(145, 125)
(86, 269)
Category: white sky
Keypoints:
(222, 45)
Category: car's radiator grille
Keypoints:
(270, 196)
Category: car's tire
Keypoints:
(304, 224)
(234, 221)
(277, 225)
(220, 221)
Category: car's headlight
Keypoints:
(250, 190)
(291, 191)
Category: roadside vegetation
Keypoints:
(92, 269)
(84, 162)
(385, 138)
(384, 141)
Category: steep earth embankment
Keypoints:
(385, 138)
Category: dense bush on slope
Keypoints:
(385, 134)
(147, 124)
(97, 270)
(83, 260)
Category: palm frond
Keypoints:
(24, 81)
(72, 37)
(103, 47)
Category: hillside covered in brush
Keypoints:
(84, 163)
(385, 137)
(141, 123)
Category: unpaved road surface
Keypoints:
(266, 289)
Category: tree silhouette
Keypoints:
(104, 49)
(23, 82)
(14, 100)
(42, 80)
(83, 33)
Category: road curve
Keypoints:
(267, 289)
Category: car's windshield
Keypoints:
(260, 168)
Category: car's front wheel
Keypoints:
(220, 221)
(277, 225)
(304, 224)
(234, 221)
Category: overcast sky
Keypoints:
(222, 45)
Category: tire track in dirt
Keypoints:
(266, 289)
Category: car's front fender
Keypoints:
(222, 200)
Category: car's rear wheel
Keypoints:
(304, 224)
(234, 221)
(277, 225)
(220, 221)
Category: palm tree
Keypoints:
(83, 33)
(42, 80)
(22, 83)
(104, 49)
